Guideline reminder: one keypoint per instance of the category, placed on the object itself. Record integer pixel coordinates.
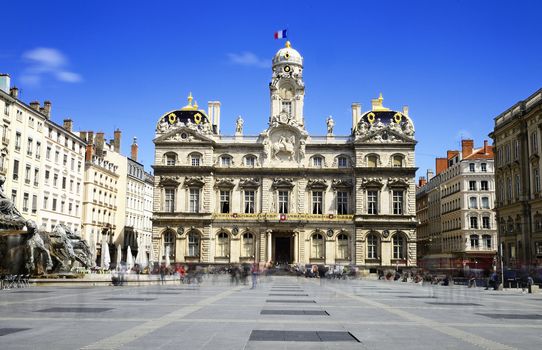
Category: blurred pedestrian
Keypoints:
(255, 273)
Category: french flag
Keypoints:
(281, 34)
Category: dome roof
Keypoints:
(288, 55)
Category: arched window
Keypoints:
(170, 158)
(397, 161)
(222, 245)
(169, 244)
(342, 162)
(226, 161)
(342, 246)
(317, 246)
(193, 244)
(195, 159)
(398, 247)
(317, 161)
(248, 245)
(372, 247)
(488, 244)
(372, 161)
(250, 161)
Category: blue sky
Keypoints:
(122, 64)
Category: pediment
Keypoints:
(339, 183)
(225, 183)
(169, 181)
(372, 182)
(398, 182)
(183, 134)
(317, 184)
(283, 183)
(250, 182)
(194, 181)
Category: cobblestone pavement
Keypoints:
(281, 313)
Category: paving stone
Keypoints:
(131, 299)
(513, 316)
(76, 309)
(289, 301)
(287, 295)
(6, 331)
(294, 312)
(301, 336)
(453, 304)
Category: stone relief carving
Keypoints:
(341, 183)
(283, 181)
(225, 182)
(371, 181)
(317, 183)
(378, 132)
(249, 182)
(285, 145)
(194, 181)
(398, 181)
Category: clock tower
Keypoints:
(287, 88)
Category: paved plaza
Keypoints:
(281, 313)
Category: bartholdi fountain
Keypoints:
(24, 249)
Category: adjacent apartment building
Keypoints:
(455, 211)
(517, 141)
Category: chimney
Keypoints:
(100, 144)
(405, 110)
(214, 114)
(14, 92)
(441, 164)
(422, 181)
(466, 147)
(83, 135)
(452, 154)
(485, 147)
(5, 82)
(134, 149)
(116, 141)
(356, 112)
(210, 111)
(90, 139)
(47, 108)
(68, 124)
(35, 105)
(88, 153)
(430, 174)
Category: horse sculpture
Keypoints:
(36, 252)
(284, 145)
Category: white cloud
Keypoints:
(248, 59)
(47, 61)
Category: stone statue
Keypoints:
(379, 125)
(330, 124)
(36, 252)
(302, 144)
(10, 217)
(265, 144)
(163, 125)
(61, 249)
(363, 128)
(407, 129)
(239, 125)
(285, 145)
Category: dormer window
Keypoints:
(317, 161)
(250, 161)
(342, 162)
(225, 161)
(397, 161)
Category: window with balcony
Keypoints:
(25, 202)
(29, 147)
(36, 176)
(15, 169)
(342, 202)
(317, 202)
(27, 174)
(18, 141)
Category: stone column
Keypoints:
(296, 247)
(269, 244)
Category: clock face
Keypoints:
(287, 69)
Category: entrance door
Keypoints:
(283, 250)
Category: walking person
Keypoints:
(255, 273)
(163, 274)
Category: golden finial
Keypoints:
(380, 97)
(288, 45)
(195, 104)
(190, 98)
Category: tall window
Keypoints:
(397, 161)
(222, 246)
(398, 247)
(485, 203)
(372, 202)
(29, 147)
(484, 185)
(249, 201)
(342, 162)
(225, 161)
(472, 185)
(250, 161)
(170, 200)
(248, 244)
(534, 142)
(487, 241)
(193, 244)
(485, 222)
(483, 167)
(18, 141)
(317, 246)
(342, 246)
(169, 243)
(283, 202)
(194, 200)
(25, 202)
(27, 174)
(372, 161)
(474, 242)
(473, 203)
(536, 181)
(317, 162)
(224, 201)
(398, 202)
(342, 203)
(15, 169)
(317, 201)
(471, 167)
(372, 247)
(473, 222)
(517, 185)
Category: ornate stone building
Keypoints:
(284, 195)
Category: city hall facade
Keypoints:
(285, 196)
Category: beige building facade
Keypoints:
(283, 195)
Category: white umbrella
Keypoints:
(106, 257)
(119, 256)
(129, 259)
